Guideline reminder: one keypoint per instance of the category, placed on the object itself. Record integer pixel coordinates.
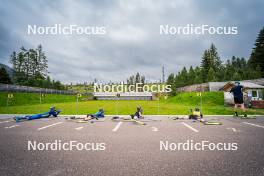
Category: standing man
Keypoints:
(237, 91)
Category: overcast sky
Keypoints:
(132, 42)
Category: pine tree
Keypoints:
(142, 80)
(229, 71)
(257, 55)
(171, 81)
(132, 80)
(137, 78)
(211, 59)
(42, 60)
(257, 72)
(198, 75)
(191, 76)
(184, 76)
(211, 75)
(18, 62)
(205, 65)
(26, 65)
(14, 60)
(237, 77)
(4, 77)
(215, 61)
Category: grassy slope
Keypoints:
(34, 98)
(29, 103)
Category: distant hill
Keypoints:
(8, 69)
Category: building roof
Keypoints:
(247, 85)
(259, 81)
(216, 86)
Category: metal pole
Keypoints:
(201, 102)
(77, 105)
(117, 105)
(117, 95)
(158, 106)
(7, 100)
(158, 95)
(40, 98)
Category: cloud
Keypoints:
(132, 42)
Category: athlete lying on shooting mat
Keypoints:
(99, 114)
(138, 114)
(52, 112)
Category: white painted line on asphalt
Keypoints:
(154, 129)
(4, 121)
(50, 125)
(117, 126)
(13, 126)
(190, 127)
(253, 124)
(233, 129)
(79, 128)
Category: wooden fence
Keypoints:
(17, 88)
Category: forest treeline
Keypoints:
(212, 68)
(30, 68)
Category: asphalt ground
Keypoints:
(132, 149)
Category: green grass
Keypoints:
(34, 98)
(213, 103)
